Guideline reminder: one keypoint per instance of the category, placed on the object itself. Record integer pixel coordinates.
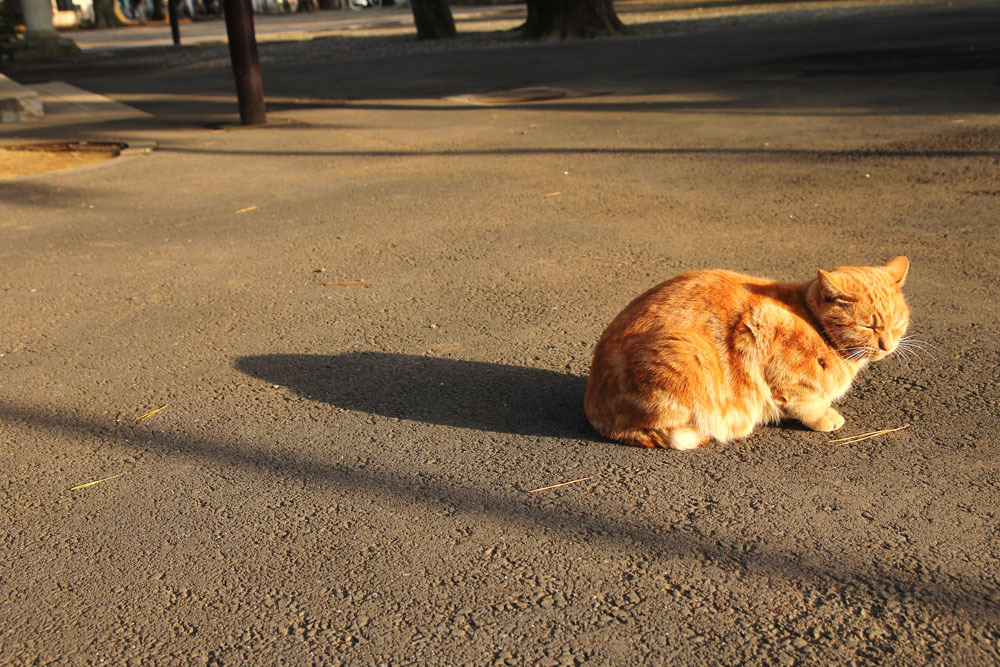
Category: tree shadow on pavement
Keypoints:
(467, 394)
(952, 596)
(887, 51)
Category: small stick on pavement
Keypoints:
(850, 440)
(349, 283)
(150, 413)
(556, 486)
(247, 209)
(96, 481)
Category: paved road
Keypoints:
(343, 473)
(278, 26)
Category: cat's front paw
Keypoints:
(830, 421)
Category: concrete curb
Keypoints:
(19, 104)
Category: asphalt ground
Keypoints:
(297, 470)
(288, 26)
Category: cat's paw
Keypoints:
(830, 421)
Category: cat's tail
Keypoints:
(679, 437)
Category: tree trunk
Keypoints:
(563, 19)
(104, 14)
(246, 61)
(433, 19)
(40, 37)
(38, 20)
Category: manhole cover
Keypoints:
(27, 159)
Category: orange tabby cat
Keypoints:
(711, 354)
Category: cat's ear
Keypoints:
(829, 289)
(898, 266)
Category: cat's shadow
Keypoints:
(468, 394)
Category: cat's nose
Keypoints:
(883, 344)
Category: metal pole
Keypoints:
(175, 29)
(246, 63)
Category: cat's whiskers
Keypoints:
(855, 353)
(905, 356)
(917, 341)
(915, 346)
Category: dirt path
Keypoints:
(341, 473)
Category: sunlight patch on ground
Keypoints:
(17, 161)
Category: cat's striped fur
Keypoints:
(711, 354)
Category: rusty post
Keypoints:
(246, 63)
